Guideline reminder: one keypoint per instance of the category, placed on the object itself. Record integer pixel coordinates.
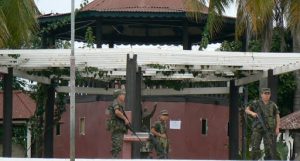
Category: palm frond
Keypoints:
(215, 11)
(255, 13)
(21, 23)
(293, 14)
(3, 30)
(241, 20)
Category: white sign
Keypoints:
(175, 124)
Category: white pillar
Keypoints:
(28, 147)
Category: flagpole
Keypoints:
(72, 86)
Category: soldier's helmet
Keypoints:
(118, 92)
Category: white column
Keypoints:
(28, 147)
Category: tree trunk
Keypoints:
(296, 48)
(267, 36)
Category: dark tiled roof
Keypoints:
(291, 121)
(137, 6)
(23, 106)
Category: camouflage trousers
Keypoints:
(117, 143)
(257, 135)
(162, 152)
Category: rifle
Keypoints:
(270, 137)
(129, 126)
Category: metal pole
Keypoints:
(72, 86)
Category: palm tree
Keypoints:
(18, 22)
(255, 17)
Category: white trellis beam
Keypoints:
(114, 62)
(151, 92)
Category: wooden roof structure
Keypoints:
(141, 22)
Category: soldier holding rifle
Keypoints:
(266, 125)
(118, 123)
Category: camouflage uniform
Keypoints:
(163, 147)
(268, 112)
(117, 128)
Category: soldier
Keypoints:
(269, 113)
(159, 130)
(117, 122)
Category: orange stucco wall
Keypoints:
(185, 143)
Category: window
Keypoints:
(58, 128)
(204, 126)
(82, 126)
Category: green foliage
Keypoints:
(157, 66)
(46, 30)
(18, 84)
(19, 133)
(231, 46)
(175, 84)
(62, 44)
(84, 3)
(282, 150)
(204, 41)
(276, 40)
(286, 89)
(89, 38)
(37, 120)
(255, 45)
(60, 103)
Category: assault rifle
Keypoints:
(129, 126)
(270, 136)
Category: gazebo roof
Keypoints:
(141, 22)
(23, 106)
(137, 6)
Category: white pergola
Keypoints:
(180, 64)
(154, 63)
